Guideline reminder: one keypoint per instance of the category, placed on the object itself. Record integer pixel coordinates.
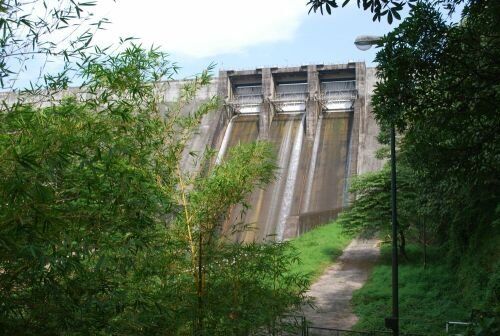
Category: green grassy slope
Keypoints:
(319, 248)
(427, 297)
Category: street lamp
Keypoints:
(365, 42)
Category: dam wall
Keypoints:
(318, 118)
(320, 122)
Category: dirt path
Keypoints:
(333, 290)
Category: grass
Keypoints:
(427, 297)
(319, 248)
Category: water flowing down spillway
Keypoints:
(291, 179)
(241, 129)
(282, 135)
(311, 177)
(262, 219)
(225, 141)
(312, 166)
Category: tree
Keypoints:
(380, 8)
(439, 84)
(102, 233)
(34, 33)
(371, 212)
(224, 273)
(80, 199)
(443, 80)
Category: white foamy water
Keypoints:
(225, 141)
(293, 166)
(282, 156)
(312, 166)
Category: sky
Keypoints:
(241, 34)
(233, 34)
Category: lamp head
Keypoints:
(365, 42)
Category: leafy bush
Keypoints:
(102, 233)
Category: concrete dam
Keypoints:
(318, 118)
(320, 122)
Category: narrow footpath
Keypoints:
(332, 292)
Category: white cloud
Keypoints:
(201, 28)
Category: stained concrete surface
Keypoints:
(329, 171)
(332, 292)
(323, 186)
(368, 130)
(263, 216)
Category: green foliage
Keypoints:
(478, 273)
(411, 53)
(428, 297)
(252, 271)
(101, 232)
(439, 85)
(240, 288)
(379, 8)
(83, 189)
(371, 212)
(39, 31)
(80, 202)
(484, 323)
(319, 248)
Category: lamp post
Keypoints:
(365, 42)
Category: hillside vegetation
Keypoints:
(439, 85)
(103, 233)
(319, 248)
(429, 296)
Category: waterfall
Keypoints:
(282, 156)
(225, 141)
(293, 166)
(312, 166)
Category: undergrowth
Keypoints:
(428, 297)
(319, 248)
